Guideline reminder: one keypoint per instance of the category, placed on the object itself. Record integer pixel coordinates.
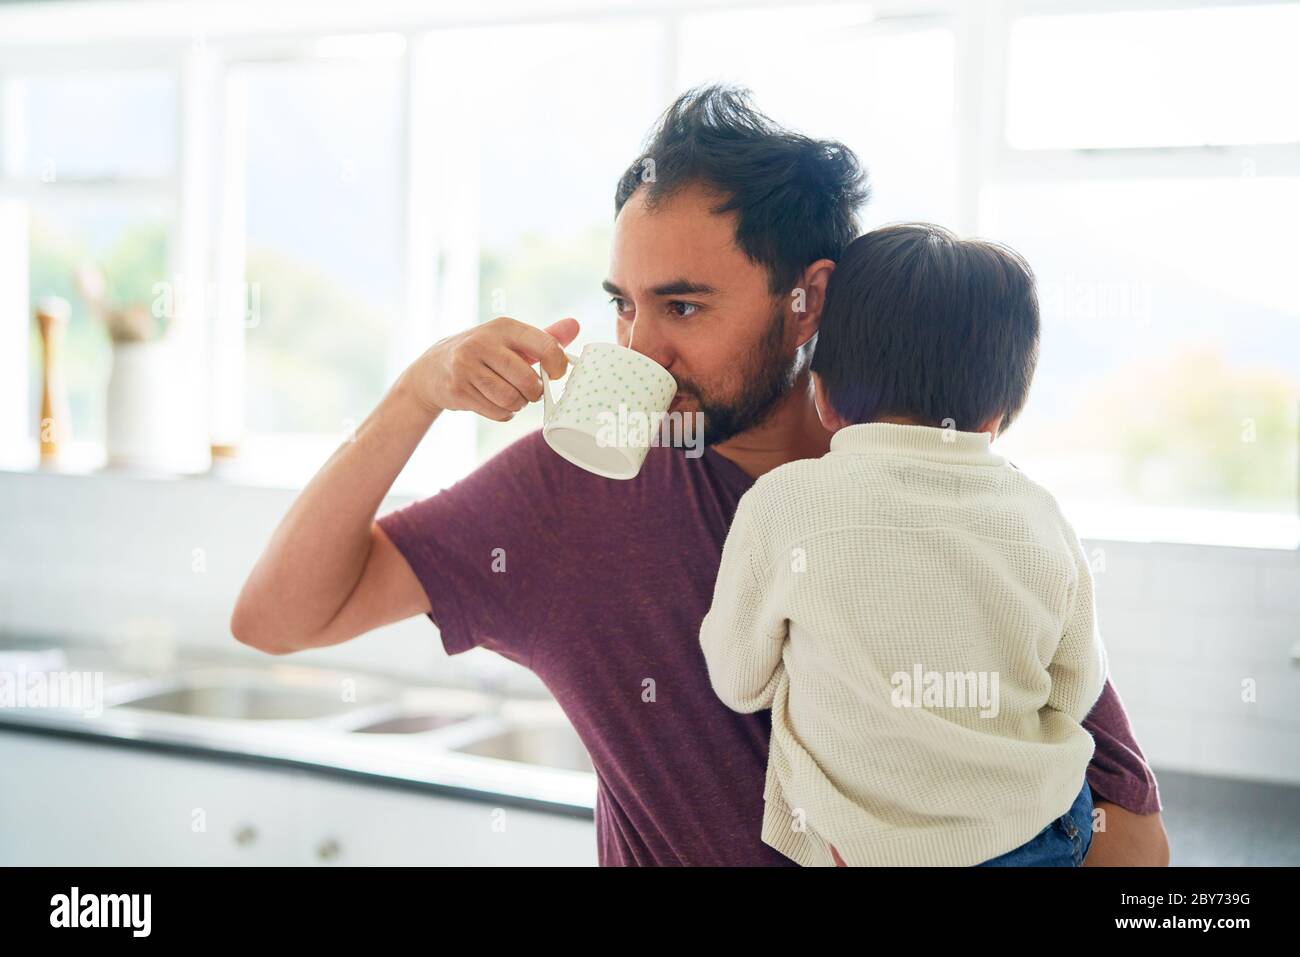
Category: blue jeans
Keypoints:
(1063, 843)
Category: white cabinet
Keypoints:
(73, 802)
(362, 824)
(69, 802)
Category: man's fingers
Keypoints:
(478, 402)
(566, 330)
(497, 390)
(539, 345)
(511, 367)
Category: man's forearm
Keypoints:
(320, 547)
(1127, 839)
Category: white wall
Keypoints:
(109, 556)
(113, 557)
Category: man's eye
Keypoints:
(620, 304)
(683, 309)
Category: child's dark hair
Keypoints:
(919, 324)
(796, 198)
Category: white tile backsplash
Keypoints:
(1245, 748)
(1203, 585)
(1279, 589)
(108, 556)
(1166, 739)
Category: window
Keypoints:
(1169, 361)
(323, 243)
(882, 86)
(543, 122)
(1149, 173)
(366, 195)
(88, 160)
(125, 125)
(1154, 78)
(128, 241)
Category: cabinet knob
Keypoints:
(246, 835)
(328, 849)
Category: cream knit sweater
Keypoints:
(919, 617)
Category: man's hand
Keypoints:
(487, 369)
(1130, 840)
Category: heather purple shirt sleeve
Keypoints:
(1119, 772)
(486, 551)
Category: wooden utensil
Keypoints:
(52, 314)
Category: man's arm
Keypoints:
(329, 573)
(1124, 787)
(1129, 840)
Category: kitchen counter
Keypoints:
(375, 729)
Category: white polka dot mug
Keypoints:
(610, 411)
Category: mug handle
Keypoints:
(548, 404)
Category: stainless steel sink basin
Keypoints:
(285, 694)
(527, 732)
(416, 711)
(410, 724)
(547, 745)
(243, 703)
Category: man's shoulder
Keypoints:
(522, 470)
(530, 445)
(529, 463)
(527, 458)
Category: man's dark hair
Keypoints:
(796, 198)
(919, 324)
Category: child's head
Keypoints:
(922, 327)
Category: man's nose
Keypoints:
(647, 340)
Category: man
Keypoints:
(727, 230)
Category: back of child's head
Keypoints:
(921, 326)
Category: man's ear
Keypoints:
(808, 298)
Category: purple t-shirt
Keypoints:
(604, 586)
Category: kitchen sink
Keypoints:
(410, 724)
(547, 745)
(252, 695)
(531, 733)
(244, 703)
(416, 711)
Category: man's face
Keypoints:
(686, 296)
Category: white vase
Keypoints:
(141, 406)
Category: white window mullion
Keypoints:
(442, 256)
(15, 321)
(14, 316)
(190, 279)
(415, 325)
(233, 298)
(977, 79)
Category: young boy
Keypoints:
(915, 611)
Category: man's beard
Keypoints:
(767, 377)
